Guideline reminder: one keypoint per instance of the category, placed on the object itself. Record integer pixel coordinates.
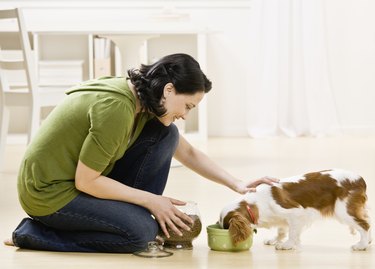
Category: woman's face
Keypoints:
(178, 106)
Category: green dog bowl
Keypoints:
(219, 239)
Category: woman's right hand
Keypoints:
(169, 217)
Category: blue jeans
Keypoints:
(89, 224)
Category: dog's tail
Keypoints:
(239, 228)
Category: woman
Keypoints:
(92, 178)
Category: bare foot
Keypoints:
(9, 242)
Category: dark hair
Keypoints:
(182, 70)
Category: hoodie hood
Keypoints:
(104, 84)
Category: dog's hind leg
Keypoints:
(364, 241)
(355, 215)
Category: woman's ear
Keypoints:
(168, 88)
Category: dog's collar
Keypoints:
(251, 214)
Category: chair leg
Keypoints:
(4, 125)
(34, 122)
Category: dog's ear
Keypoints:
(239, 228)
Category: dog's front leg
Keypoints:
(281, 234)
(295, 229)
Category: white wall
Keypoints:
(351, 42)
(351, 52)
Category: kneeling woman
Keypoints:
(92, 178)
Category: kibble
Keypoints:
(185, 241)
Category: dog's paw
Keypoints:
(271, 242)
(288, 245)
(360, 246)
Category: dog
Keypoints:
(295, 202)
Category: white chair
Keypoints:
(27, 95)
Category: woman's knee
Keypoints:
(173, 130)
(143, 234)
(173, 135)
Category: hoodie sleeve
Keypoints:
(111, 122)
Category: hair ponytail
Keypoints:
(182, 70)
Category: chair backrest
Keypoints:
(26, 63)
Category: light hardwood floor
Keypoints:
(324, 245)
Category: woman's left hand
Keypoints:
(250, 186)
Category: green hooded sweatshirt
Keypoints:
(94, 124)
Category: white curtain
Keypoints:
(290, 92)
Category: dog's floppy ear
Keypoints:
(239, 228)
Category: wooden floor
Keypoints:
(324, 245)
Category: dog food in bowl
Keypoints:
(185, 241)
(219, 239)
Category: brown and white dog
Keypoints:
(297, 201)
